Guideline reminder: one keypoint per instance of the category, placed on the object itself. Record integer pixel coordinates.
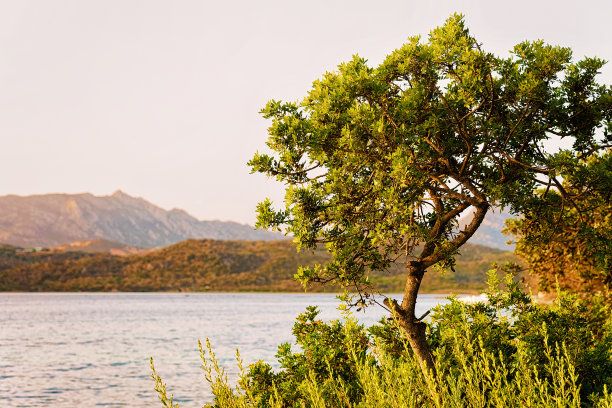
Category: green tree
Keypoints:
(568, 240)
(382, 161)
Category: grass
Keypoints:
(480, 379)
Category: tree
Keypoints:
(569, 241)
(382, 161)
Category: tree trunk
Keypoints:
(415, 330)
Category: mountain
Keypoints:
(212, 265)
(490, 231)
(50, 220)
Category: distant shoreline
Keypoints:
(434, 292)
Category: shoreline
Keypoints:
(434, 292)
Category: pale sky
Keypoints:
(161, 98)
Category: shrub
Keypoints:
(507, 352)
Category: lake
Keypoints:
(93, 349)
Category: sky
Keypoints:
(161, 99)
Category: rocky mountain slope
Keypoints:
(490, 231)
(56, 219)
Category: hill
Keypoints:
(56, 219)
(99, 245)
(211, 265)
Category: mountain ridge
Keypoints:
(49, 220)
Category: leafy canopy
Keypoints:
(381, 161)
(569, 242)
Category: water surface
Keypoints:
(92, 349)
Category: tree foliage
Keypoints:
(569, 241)
(382, 161)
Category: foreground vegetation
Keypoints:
(210, 265)
(507, 352)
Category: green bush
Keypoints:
(329, 351)
(507, 352)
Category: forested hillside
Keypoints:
(211, 265)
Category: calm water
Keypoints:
(86, 350)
